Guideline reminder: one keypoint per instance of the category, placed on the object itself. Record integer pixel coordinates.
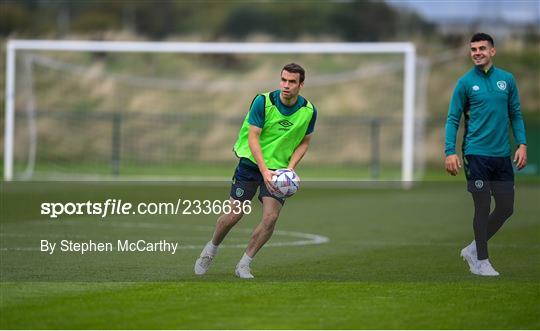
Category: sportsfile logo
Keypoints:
(118, 207)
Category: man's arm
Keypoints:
(455, 110)
(254, 134)
(518, 126)
(299, 152)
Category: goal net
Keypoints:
(82, 110)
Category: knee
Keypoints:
(269, 220)
(232, 218)
(268, 226)
(270, 217)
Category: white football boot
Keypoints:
(203, 262)
(469, 255)
(484, 268)
(243, 271)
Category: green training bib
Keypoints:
(280, 134)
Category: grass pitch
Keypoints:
(392, 261)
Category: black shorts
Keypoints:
(245, 182)
(489, 174)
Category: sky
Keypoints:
(517, 11)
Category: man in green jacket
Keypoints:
(275, 134)
(488, 98)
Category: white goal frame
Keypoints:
(406, 48)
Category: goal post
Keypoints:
(405, 48)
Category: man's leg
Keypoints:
(261, 234)
(503, 193)
(478, 170)
(504, 207)
(478, 184)
(264, 230)
(502, 187)
(482, 202)
(225, 223)
(244, 187)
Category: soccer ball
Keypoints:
(287, 182)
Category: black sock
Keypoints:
(482, 201)
(504, 207)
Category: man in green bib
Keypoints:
(274, 135)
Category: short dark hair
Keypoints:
(295, 68)
(481, 37)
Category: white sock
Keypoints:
(245, 260)
(211, 248)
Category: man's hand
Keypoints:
(452, 164)
(267, 176)
(292, 169)
(520, 158)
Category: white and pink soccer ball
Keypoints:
(286, 181)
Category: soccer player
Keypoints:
(489, 100)
(275, 134)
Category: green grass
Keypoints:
(391, 262)
(203, 169)
(212, 171)
(295, 305)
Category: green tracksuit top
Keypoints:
(490, 103)
(281, 133)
